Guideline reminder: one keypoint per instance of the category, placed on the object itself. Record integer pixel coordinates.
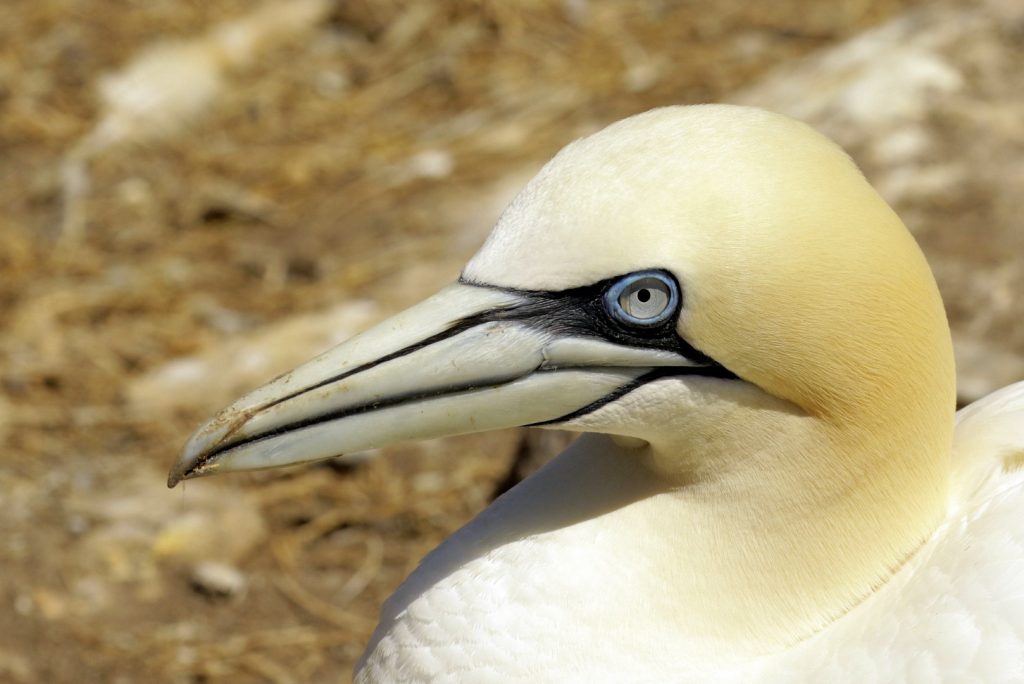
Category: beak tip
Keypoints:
(194, 459)
(181, 470)
(187, 465)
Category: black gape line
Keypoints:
(581, 312)
(656, 374)
(576, 312)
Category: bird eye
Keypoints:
(643, 299)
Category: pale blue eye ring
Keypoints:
(643, 299)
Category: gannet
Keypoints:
(773, 485)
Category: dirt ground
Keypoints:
(357, 157)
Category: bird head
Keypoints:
(663, 279)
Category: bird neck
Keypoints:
(792, 520)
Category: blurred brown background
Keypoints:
(197, 195)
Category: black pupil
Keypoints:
(644, 295)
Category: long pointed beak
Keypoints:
(468, 359)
